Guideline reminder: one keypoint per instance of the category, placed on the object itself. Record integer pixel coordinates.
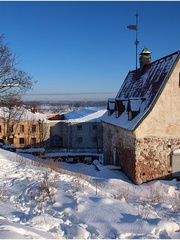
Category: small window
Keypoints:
(33, 128)
(79, 139)
(21, 141)
(0, 128)
(33, 141)
(21, 128)
(11, 128)
(79, 127)
(11, 140)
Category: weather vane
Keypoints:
(135, 27)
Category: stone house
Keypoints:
(22, 128)
(141, 128)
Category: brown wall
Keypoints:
(40, 134)
(142, 160)
(119, 149)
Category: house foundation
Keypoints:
(153, 158)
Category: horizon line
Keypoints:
(79, 93)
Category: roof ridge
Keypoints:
(166, 56)
(176, 52)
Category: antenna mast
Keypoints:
(136, 42)
(135, 27)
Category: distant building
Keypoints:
(22, 128)
(76, 131)
(81, 131)
(141, 128)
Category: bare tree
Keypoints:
(95, 133)
(11, 78)
(43, 132)
(11, 111)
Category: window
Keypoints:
(120, 108)
(33, 128)
(11, 128)
(79, 139)
(79, 127)
(0, 128)
(21, 141)
(11, 140)
(95, 139)
(21, 128)
(33, 141)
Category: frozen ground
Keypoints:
(77, 201)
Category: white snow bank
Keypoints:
(80, 202)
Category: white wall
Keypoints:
(164, 119)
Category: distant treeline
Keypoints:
(65, 103)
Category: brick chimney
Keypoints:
(145, 57)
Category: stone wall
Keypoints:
(153, 158)
(143, 159)
(119, 149)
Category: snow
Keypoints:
(23, 113)
(32, 150)
(51, 200)
(90, 114)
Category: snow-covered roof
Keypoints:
(141, 93)
(22, 113)
(91, 114)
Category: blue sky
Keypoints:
(84, 50)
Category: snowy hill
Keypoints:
(77, 201)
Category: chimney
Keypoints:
(145, 58)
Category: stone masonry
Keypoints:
(153, 158)
(142, 160)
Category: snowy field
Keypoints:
(70, 201)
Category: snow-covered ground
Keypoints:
(66, 201)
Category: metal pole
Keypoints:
(136, 42)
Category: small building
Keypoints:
(141, 128)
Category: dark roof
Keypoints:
(142, 91)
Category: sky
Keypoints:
(83, 50)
